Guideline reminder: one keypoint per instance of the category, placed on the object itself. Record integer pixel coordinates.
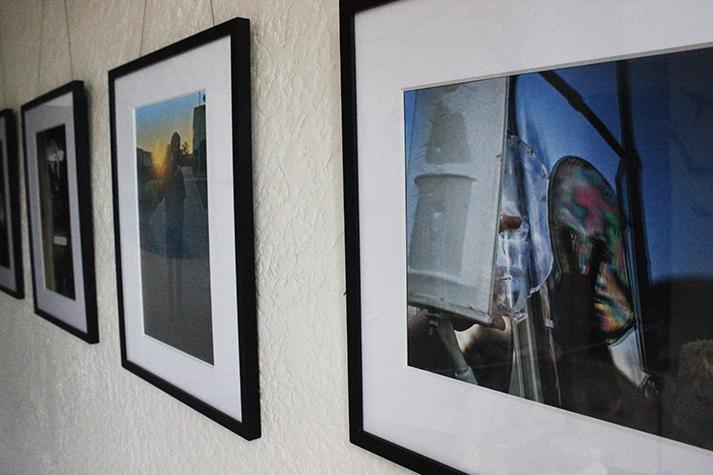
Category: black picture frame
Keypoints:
(238, 31)
(357, 435)
(372, 50)
(13, 196)
(76, 90)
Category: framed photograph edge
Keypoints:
(357, 435)
(238, 29)
(86, 225)
(13, 169)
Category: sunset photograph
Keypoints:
(171, 166)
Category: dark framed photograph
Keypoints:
(11, 275)
(59, 209)
(183, 218)
(529, 239)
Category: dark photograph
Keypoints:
(173, 217)
(4, 217)
(560, 238)
(54, 211)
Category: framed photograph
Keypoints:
(529, 235)
(183, 218)
(59, 209)
(11, 277)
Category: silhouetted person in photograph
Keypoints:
(174, 192)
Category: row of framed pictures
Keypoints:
(181, 150)
(509, 293)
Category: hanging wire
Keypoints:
(69, 40)
(143, 24)
(212, 12)
(42, 29)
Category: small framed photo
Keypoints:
(529, 236)
(59, 209)
(183, 219)
(11, 275)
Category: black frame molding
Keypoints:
(238, 29)
(84, 195)
(357, 435)
(13, 193)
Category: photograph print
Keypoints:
(173, 223)
(57, 168)
(11, 272)
(54, 211)
(182, 176)
(595, 298)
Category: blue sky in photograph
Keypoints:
(672, 115)
(157, 122)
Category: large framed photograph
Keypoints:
(529, 236)
(183, 217)
(11, 275)
(59, 209)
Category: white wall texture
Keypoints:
(68, 407)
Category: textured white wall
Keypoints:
(67, 407)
